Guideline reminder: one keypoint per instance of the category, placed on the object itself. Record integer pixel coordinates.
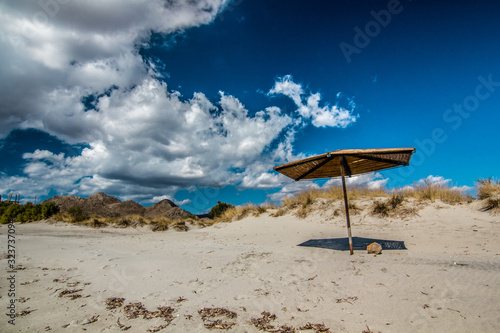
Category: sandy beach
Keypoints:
(253, 271)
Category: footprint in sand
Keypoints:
(246, 264)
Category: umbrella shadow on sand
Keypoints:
(359, 243)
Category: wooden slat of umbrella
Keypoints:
(346, 162)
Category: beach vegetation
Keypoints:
(429, 191)
(219, 209)
(380, 208)
(77, 214)
(333, 193)
(96, 223)
(393, 206)
(488, 190)
(279, 212)
(304, 201)
(237, 213)
(162, 223)
(27, 212)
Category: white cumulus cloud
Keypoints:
(371, 180)
(142, 140)
(439, 181)
(309, 107)
(291, 189)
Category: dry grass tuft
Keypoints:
(240, 212)
(158, 223)
(380, 209)
(164, 223)
(63, 217)
(95, 223)
(264, 208)
(180, 225)
(230, 214)
(129, 221)
(430, 191)
(280, 212)
(305, 200)
(396, 200)
(393, 206)
(488, 190)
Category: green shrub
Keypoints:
(26, 212)
(219, 209)
(49, 209)
(77, 214)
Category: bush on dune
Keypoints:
(236, 213)
(161, 223)
(489, 191)
(77, 214)
(304, 200)
(219, 209)
(393, 206)
(431, 191)
(27, 212)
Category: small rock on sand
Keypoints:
(374, 248)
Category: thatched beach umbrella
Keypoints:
(346, 162)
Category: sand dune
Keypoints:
(446, 281)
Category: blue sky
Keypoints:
(196, 101)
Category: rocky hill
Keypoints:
(101, 204)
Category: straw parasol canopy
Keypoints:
(346, 162)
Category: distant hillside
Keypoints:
(104, 205)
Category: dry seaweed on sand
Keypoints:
(121, 326)
(114, 302)
(347, 300)
(134, 310)
(164, 312)
(264, 324)
(91, 320)
(216, 312)
(208, 313)
(285, 329)
(368, 330)
(156, 328)
(28, 282)
(72, 284)
(68, 292)
(218, 324)
(315, 327)
(24, 313)
(74, 296)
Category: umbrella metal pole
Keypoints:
(346, 208)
